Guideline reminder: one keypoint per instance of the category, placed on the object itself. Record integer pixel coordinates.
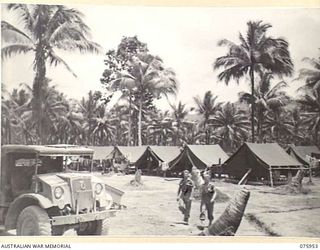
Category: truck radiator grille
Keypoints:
(82, 194)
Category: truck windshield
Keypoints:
(51, 164)
(77, 163)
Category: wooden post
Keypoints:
(271, 179)
(289, 176)
(310, 172)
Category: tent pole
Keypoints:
(271, 179)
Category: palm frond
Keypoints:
(10, 50)
(11, 34)
(54, 59)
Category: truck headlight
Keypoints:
(58, 192)
(98, 188)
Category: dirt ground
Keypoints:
(153, 210)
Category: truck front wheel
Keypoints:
(99, 227)
(33, 220)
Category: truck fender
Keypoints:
(22, 202)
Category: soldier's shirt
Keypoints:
(186, 187)
(207, 192)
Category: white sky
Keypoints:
(185, 38)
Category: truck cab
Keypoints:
(46, 190)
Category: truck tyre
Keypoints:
(33, 220)
(102, 227)
(99, 227)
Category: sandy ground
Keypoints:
(153, 210)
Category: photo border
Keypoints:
(174, 239)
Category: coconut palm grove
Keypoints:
(262, 136)
(37, 113)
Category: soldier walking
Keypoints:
(208, 195)
(185, 193)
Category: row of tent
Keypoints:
(164, 158)
(258, 161)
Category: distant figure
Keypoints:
(208, 195)
(137, 176)
(185, 193)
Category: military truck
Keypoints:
(40, 195)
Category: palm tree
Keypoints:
(310, 104)
(121, 124)
(103, 126)
(146, 79)
(46, 28)
(88, 107)
(297, 121)
(256, 52)
(160, 128)
(54, 105)
(68, 128)
(231, 126)
(179, 115)
(266, 98)
(311, 76)
(279, 126)
(15, 119)
(207, 107)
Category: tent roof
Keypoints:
(209, 154)
(101, 152)
(48, 150)
(302, 151)
(165, 153)
(132, 153)
(272, 154)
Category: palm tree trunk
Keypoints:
(206, 132)
(229, 221)
(260, 123)
(278, 130)
(129, 121)
(252, 102)
(8, 125)
(40, 68)
(316, 136)
(140, 123)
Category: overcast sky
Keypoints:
(185, 38)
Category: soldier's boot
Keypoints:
(186, 221)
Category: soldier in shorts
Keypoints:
(185, 193)
(208, 195)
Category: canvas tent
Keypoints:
(101, 157)
(200, 156)
(261, 162)
(101, 152)
(300, 153)
(155, 159)
(129, 153)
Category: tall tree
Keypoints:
(143, 76)
(255, 52)
(311, 75)
(207, 107)
(45, 28)
(310, 105)
(17, 126)
(104, 126)
(179, 114)
(119, 61)
(88, 107)
(266, 99)
(231, 126)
